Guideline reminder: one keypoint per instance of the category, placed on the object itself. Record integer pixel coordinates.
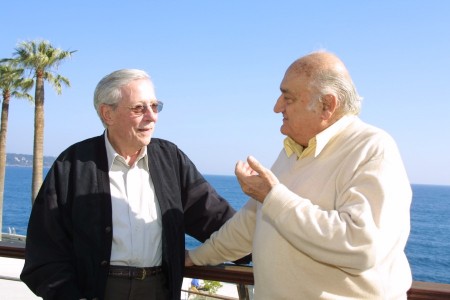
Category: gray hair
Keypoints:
(331, 82)
(109, 89)
(327, 74)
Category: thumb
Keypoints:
(262, 171)
(255, 165)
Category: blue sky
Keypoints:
(217, 66)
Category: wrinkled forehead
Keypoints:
(295, 82)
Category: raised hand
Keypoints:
(256, 181)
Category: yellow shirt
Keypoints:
(291, 147)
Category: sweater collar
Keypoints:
(317, 143)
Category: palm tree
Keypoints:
(14, 85)
(42, 59)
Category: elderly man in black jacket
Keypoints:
(110, 218)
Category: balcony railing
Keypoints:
(242, 276)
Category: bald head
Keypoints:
(316, 63)
(326, 74)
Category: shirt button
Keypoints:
(108, 229)
(104, 263)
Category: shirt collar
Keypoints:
(318, 142)
(291, 147)
(112, 153)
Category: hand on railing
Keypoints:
(187, 259)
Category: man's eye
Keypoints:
(138, 108)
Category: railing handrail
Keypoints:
(238, 274)
(12, 252)
(225, 273)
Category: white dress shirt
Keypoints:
(136, 215)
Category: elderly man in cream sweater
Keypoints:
(331, 219)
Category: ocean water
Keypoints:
(428, 247)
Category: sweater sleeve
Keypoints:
(364, 226)
(231, 242)
(49, 270)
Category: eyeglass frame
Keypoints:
(140, 109)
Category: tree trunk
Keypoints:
(3, 131)
(38, 147)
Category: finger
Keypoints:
(239, 167)
(255, 165)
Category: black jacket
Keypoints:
(69, 236)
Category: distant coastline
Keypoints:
(26, 160)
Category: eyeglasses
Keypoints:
(140, 109)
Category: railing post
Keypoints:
(243, 291)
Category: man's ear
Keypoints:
(106, 113)
(329, 106)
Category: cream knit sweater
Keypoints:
(334, 228)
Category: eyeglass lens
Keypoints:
(142, 109)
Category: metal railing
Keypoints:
(242, 276)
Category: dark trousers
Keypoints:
(151, 288)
